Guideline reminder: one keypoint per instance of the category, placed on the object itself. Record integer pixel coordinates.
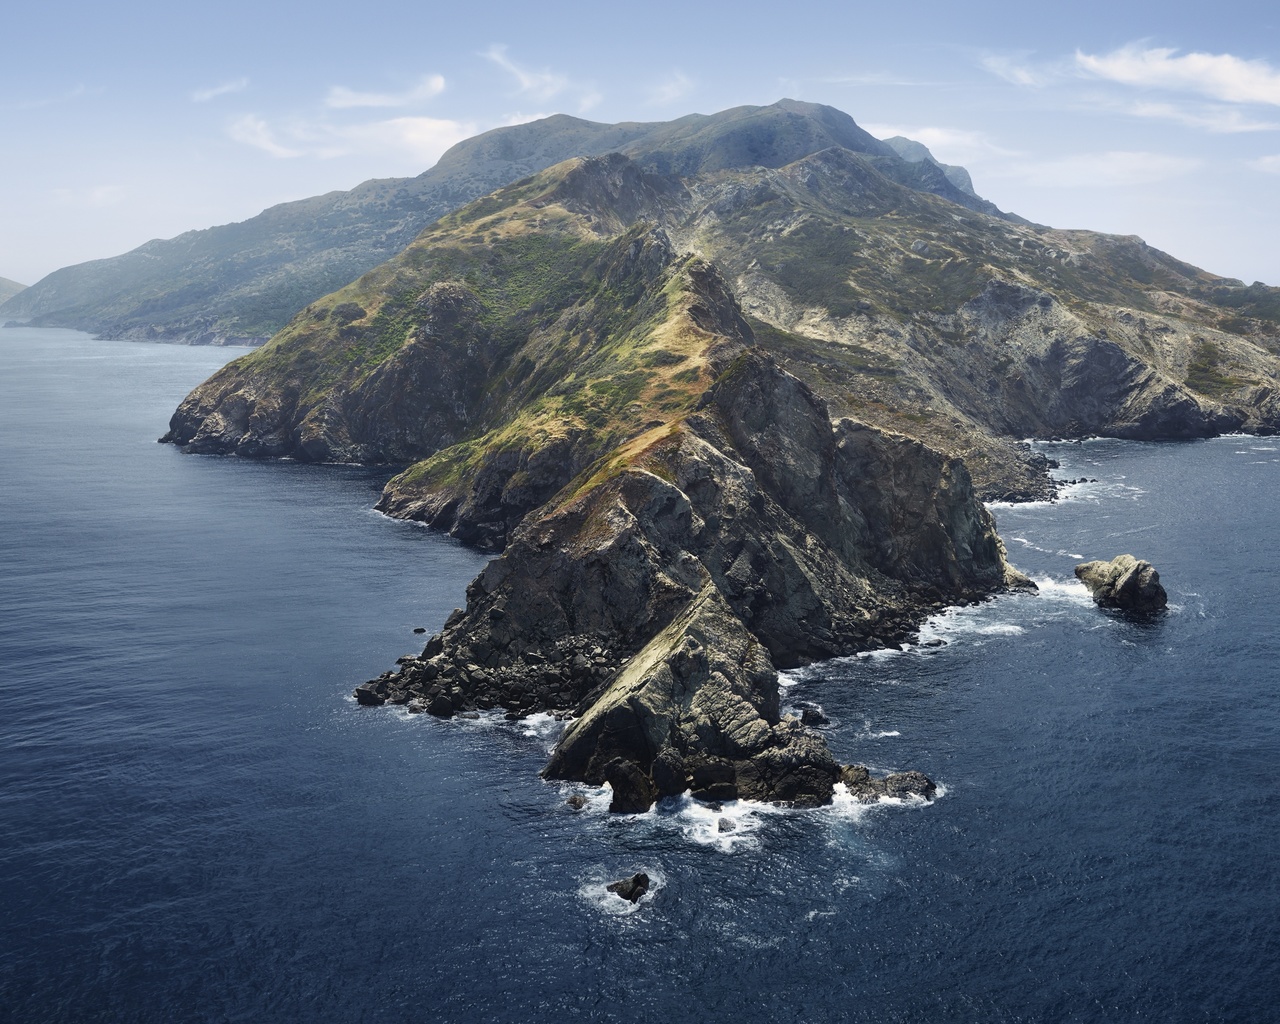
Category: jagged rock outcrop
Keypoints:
(658, 602)
(1124, 582)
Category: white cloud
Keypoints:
(1220, 76)
(1113, 169)
(342, 98)
(544, 85)
(225, 89)
(1269, 164)
(1011, 69)
(949, 145)
(519, 117)
(540, 85)
(423, 139)
(253, 131)
(674, 86)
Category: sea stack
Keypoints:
(1125, 582)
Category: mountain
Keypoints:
(8, 289)
(243, 282)
(725, 407)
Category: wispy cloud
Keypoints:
(1269, 164)
(519, 117)
(342, 98)
(1220, 76)
(540, 85)
(252, 130)
(1020, 71)
(225, 89)
(675, 86)
(543, 85)
(950, 145)
(1211, 117)
(422, 139)
(1112, 169)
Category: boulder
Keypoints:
(630, 889)
(367, 696)
(1125, 582)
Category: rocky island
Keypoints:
(723, 406)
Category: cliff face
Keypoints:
(657, 597)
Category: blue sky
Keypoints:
(123, 123)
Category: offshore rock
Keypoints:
(630, 889)
(1125, 582)
(898, 785)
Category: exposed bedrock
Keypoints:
(1124, 582)
(658, 600)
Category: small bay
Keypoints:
(199, 824)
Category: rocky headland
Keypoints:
(723, 409)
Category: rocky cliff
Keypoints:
(655, 598)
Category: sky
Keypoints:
(137, 120)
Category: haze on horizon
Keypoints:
(144, 121)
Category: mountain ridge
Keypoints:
(241, 282)
(8, 289)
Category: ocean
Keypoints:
(197, 822)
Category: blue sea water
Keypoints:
(198, 824)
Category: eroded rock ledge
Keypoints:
(656, 601)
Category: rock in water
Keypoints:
(1124, 582)
(632, 888)
(867, 789)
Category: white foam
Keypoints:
(699, 822)
(847, 807)
(1001, 629)
(593, 888)
(1071, 590)
(544, 727)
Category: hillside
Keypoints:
(243, 282)
(8, 289)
